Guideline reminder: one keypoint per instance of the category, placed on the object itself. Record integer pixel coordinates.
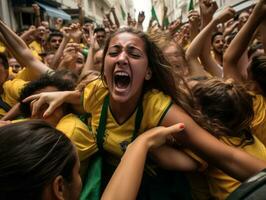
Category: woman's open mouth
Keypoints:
(122, 80)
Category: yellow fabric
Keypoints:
(259, 122)
(155, 104)
(36, 49)
(202, 163)
(197, 180)
(2, 48)
(11, 73)
(11, 94)
(220, 184)
(25, 74)
(79, 134)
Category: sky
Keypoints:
(143, 5)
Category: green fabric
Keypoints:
(166, 22)
(92, 184)
(123, 12)
(153, 14)
(191, 5)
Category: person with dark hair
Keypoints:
(40, 162)
(217, 43)
(255, 70)
(100, 36)
(37, 162)
(9, 89)
(227, 108)
(62, 119)
(54, 40)
(137, 91)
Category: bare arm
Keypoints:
(232, 161)
(126, 179)
(59, 53)
(207, 60)
(55, 99)
(12, 113)
(37, 14)
(89, 62)
(263, 34)
(21, 52)
(115, 17)
(240, 43)
(27, 36)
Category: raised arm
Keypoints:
(240, 43)
(37, 14)
(115, 17)
(89, 62)
(21, 52)
(198, 47)
(207, 60)
(59, 52)
(263, 34)
(126, 179)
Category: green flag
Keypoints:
(166, 22)
(191, 5)
(153, 14)
(123, 13)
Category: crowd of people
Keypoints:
(113, 112)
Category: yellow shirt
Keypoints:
(79, 134)
(36, 49)
(26, 74)
(258, 125)
(11, 94)
(220, 184)
(155, 105)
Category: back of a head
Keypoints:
(258, 71)
(62, 80)
(32, 154)
(226, 104)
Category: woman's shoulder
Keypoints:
(156, 95)
(93, 95)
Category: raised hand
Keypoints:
(225, 15)
(207, 8)
(75, 32)
(36, 8)
(194, 18)
(141, 17)
(158, 136)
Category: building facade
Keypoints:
(18, 14)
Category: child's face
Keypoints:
(125, 67)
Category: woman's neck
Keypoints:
(122, 111)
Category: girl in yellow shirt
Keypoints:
(227, 108)
(134, 71)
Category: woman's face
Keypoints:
(125, 67)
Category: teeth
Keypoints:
(121, 74)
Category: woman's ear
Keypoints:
(148, 74)
(58, 188)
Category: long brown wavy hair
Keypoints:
(226, 108)
(164, 78)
